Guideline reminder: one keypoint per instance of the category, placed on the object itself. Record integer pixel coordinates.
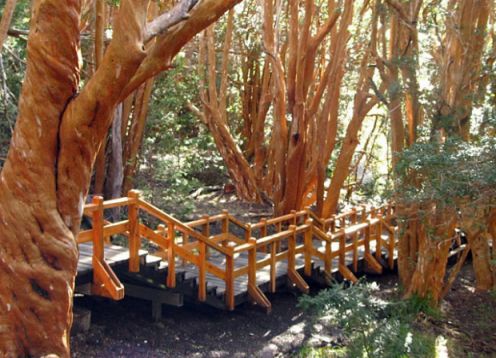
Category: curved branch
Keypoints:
(160, 56)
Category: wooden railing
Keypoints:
(266, 244)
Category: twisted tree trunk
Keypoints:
(45, 179)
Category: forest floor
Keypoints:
(466, 321)
(125, 329)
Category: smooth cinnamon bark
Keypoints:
(38, 253)
(214, 115)
(100, 23)
(45, 179)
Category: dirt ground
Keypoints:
(124, 329)
(468, 319)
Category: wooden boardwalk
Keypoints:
(116, 256)
(223, 262)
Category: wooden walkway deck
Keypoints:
(223, 262)
(116, 256)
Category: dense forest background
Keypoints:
(325, 104)
(176, 153)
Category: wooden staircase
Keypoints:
(223, 262)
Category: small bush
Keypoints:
(374, 327)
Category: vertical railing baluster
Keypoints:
(134, 235)
(225, 222)
(206, 231)
(308, 244)
(263, 233)
(97, 215)
(202, 269)
(273, 267)
(229, 281)
(378, 237)
(171, 255)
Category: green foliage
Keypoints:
(448, 173)
(179, 153)
(12, 71)
(322, 352)
(374, 327)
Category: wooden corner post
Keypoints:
(293, 275)
(171, 255)
(98, 222)
(308, 247)
(229, 280)
(253, 290)
(134, 235)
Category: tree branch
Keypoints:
(168, 44)
(165, 21)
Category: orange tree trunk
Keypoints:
(433, 234)
(38, 253)
(45, 179)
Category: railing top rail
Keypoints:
(159, 214)
(108, 204)
(237, 222)
(206, 220)
(320, 234)
(279, 219)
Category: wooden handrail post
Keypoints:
(364, 212)
(263, 233)
(378, 237)
(292, 248)
(354, 220)
(367, 238)
(252, 262)
(105, 282)
(206, 230)
(171, 255)
(277, 246)
(307, 214)
(273, 272)
(98, 222)
(354, 216)
(134, 236)
(342, 248)
(328, 258)
(293, 275)
(333, 224)
(206, 226)
(248, 232)
(253, 290)
(373, 263)
(185, 242)
(230, 279)
(308, 247)
(225, 222)
(391, 250)
(295, 218)
(202, 270)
